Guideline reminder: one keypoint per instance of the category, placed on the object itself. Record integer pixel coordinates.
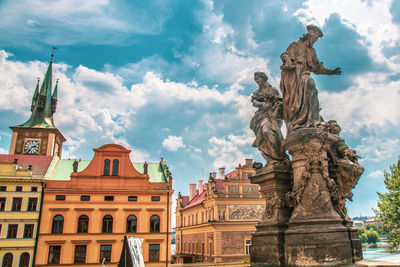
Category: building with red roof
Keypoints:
(214, 223)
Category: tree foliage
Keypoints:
(372, 226)
(372, 236)
(362, 235)
(389, 206)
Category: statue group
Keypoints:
(305, 222)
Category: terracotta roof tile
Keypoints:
(197, 199)
(40, 164)
(232, 174)
(185, 200)
(219, 184)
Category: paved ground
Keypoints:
(376, 263)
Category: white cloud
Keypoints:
(376, 150)
(371, 102)
(376, 174)
(173, 143)
(229, 152)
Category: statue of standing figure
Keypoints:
(267, 121)
(300, 95)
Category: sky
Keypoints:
(173, 78)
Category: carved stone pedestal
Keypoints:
(316, 233)
(267, 243)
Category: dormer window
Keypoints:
(106, 167)
(115, 167)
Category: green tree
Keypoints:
(362, 235)
(389, 206)
(372, 226)
(372, 236)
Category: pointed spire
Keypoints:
(44, 102)
(35, 95)
(54, 98)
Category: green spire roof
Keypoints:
(43, 103)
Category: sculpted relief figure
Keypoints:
(300, 95)
(267, 121)
(344, 169)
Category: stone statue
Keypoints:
(344, 169)
(305, 222)
(267, 121)
(300, 95)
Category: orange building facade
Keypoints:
(215, 222)
(86, 216)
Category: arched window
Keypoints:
(106, 167)
(8, 260)
(154, 224)
(115, 167)
(131, 222)
(24, 260)
(83, 224)
(58, 223)
(107, 224)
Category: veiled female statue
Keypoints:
(267, 120)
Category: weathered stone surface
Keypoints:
(300, 95)
(267, 246)
(267, 120)
(305, 221)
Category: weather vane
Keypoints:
(52, 52)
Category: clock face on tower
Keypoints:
(32, 147)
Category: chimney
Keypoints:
(145, 167)
(249, 162)
(221, 173)
(75, 166)
(213, 175)
(201, 187)
(192, 191)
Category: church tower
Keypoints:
(38, 135)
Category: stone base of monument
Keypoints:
(267, 247)
(355, 242)
(316, 233)
(267, 243)
(318, 243)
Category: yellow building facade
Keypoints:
(21, 185)
(215, 222)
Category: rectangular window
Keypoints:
(248, 243)
(34, 188)
(80, 254)
(60, 197)
(132, 198)
(109, 198)
(54, 254)
(2, 203)
(3, 188)
(16, 204)
(12, 231)
(155, 198)
(32, 204)
(85, 198)
(105, 253)
(28, 230)
(154, 252)
(18, 188)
